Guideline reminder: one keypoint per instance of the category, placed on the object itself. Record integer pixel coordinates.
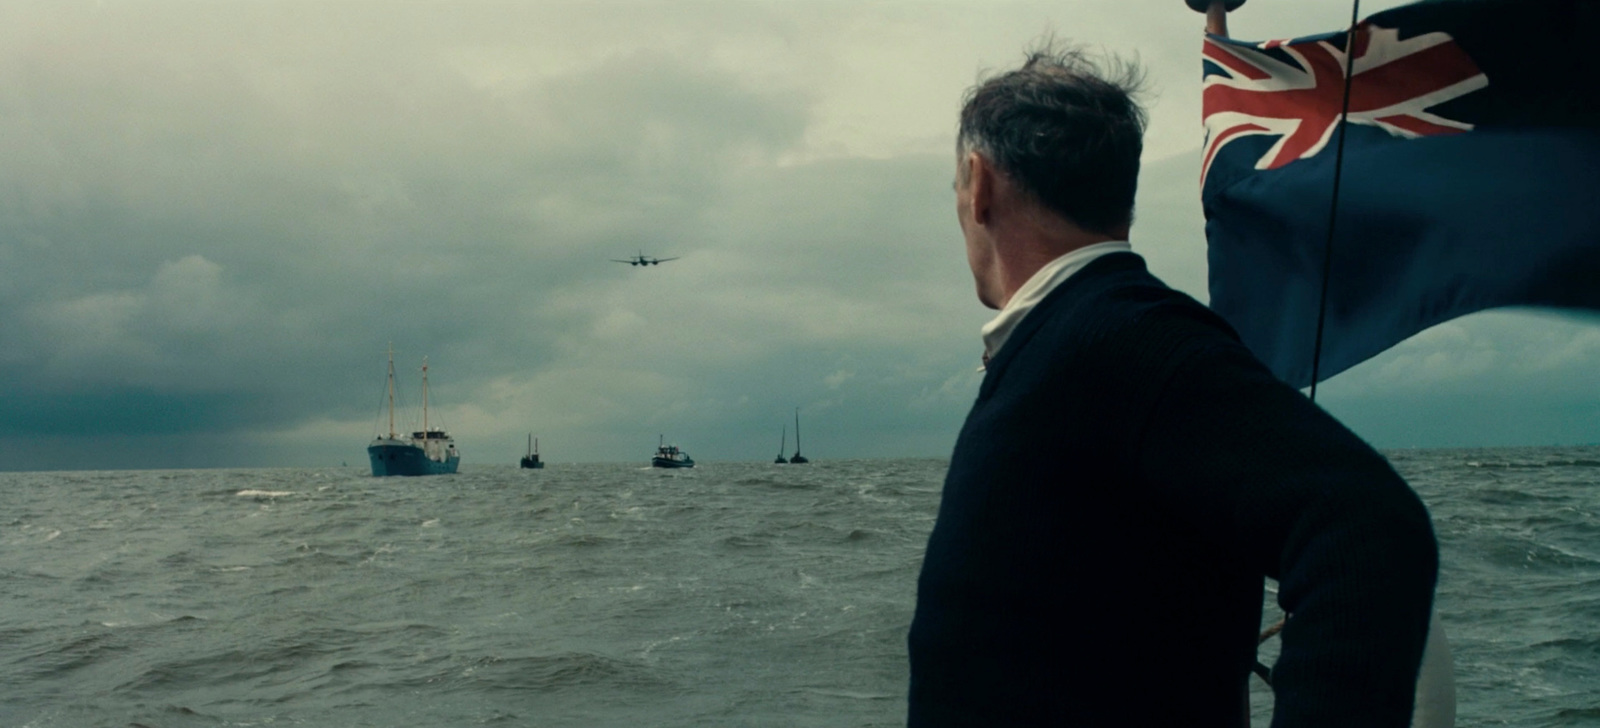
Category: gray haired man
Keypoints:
(1129, 473)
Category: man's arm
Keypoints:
(1271, 478)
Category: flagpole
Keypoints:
(1333, 206)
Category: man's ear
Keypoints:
(981, 177)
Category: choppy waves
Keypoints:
(1520, 578)
(600, 595)
(733, 595)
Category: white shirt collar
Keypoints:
(1038, 286)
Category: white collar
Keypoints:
(1038, 286)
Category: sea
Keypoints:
(732, 594)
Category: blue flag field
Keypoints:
(1470, 175)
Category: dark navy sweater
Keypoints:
(1125, 480)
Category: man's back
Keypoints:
(1125, 479)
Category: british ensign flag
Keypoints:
(1469, 176)
(1294, 90)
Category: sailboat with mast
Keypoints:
(797, 458)
(782, 441)
(429, 451)
(531, 460)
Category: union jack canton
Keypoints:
(1294, 90)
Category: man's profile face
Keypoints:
(980, 255)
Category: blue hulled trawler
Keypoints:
(429, 451)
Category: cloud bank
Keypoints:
(216, 218)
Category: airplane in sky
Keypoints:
(641, 259)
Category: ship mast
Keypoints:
(424, 397)
(391, 390)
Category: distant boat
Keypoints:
(782, 441)
(531, 460)
(797, 458)
(428, 451)
(669, 456)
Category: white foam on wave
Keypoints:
(650, 646)
(851, 694)
(264, 493)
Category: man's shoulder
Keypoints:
(1117, 291)
(1112, 316)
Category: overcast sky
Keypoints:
(216, 217)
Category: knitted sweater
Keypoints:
(1125, 480)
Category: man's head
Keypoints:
(1066, 130)
(1061, 135)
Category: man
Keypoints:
(1129, 473)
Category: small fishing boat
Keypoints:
(797, 458)
(782, 441)
(531, 460)
(669, 456)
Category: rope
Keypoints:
(1259, 669)
(1262, 671)
(1272, 631)
(1333, 206)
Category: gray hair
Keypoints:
(1066, 128)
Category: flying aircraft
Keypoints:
(641, 259)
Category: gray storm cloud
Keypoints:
(215, 218)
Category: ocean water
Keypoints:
(734, 594)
